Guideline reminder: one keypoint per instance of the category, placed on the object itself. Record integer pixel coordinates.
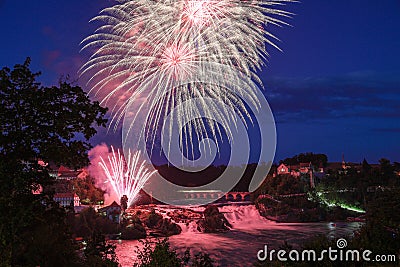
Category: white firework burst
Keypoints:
(158, 43)
(127, 177)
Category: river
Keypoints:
(239, 246)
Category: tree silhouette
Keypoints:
(48, 123)
(124, 202)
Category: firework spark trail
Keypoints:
(126, 177)
(154, 43)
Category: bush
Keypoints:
(89, 220)
(100, 253)
(163, 255)
(202, 260)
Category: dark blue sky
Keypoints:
(334, 89)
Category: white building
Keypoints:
(65, 199)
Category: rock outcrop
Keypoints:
(213, 221)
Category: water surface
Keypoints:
(239, 246)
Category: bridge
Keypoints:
(238, 196)
(216, 194)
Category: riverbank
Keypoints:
(301, 210)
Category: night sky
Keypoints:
(334, 89)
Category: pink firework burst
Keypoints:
(178, 60)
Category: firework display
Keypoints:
(161, 44)
(127, 177)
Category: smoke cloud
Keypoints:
(95, 155)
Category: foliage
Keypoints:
(282, 185)
(49, 123)
(89, 221)
(92, 227)
(311, 206)
(45, 122)
(124, 202)
(381, 233)
(202, 260)
(33, 230)
(99, 253)
(354, 186)
(160, 254)
(87, 191)
(315, 159)
(374, 188)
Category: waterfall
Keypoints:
(244, 216)
(189, 227)
(239, 216)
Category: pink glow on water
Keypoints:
(239, 246)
